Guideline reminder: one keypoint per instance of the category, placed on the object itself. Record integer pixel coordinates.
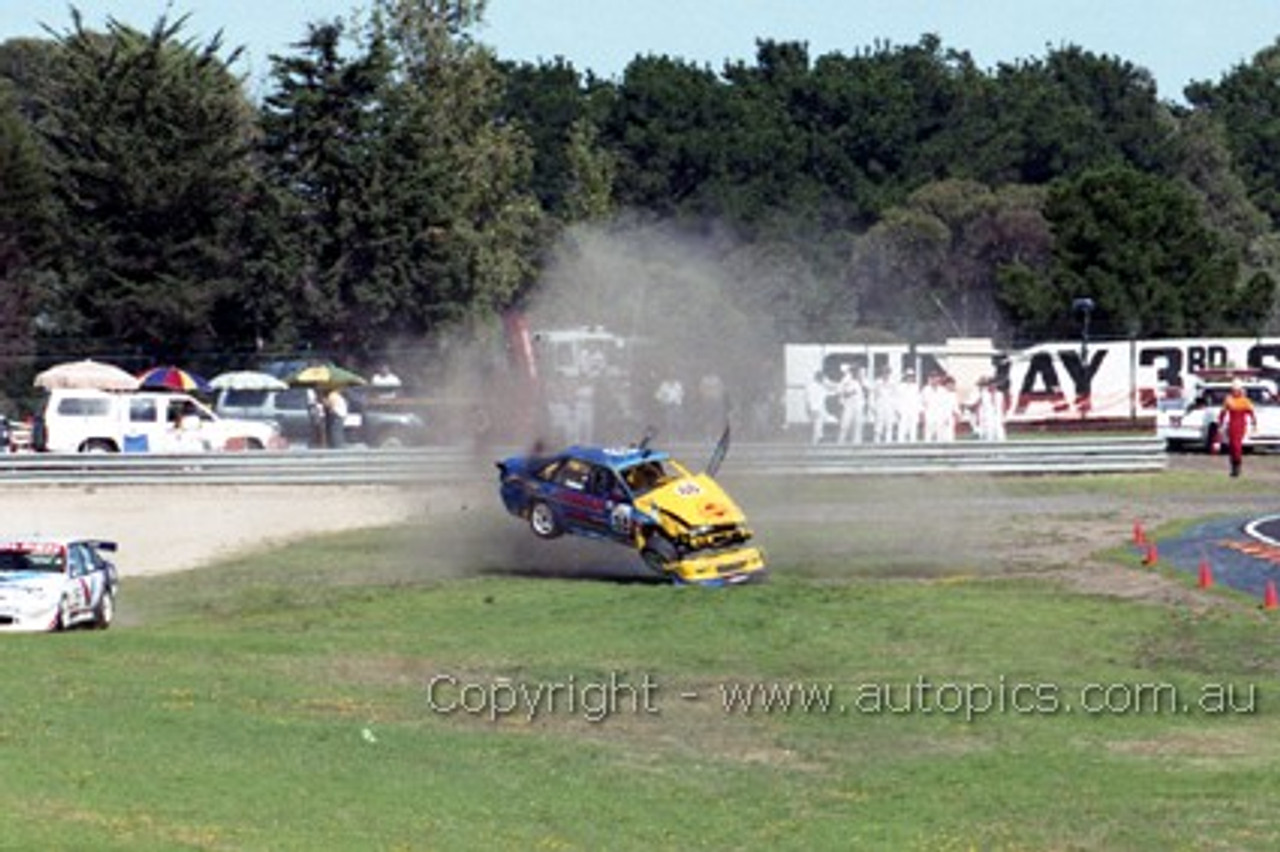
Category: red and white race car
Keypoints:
(56, 583)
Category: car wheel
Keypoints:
(60, 621)
(542, 520)
(391, 441)
(658, 554)
(105, 612)
(97, 445)
(1210, 437)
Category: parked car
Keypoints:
(683, 524)
(1192, 423)
(294, 410)
(379, 421)
(299, 414)
(100, 421)
(6, 435)
(56, 583)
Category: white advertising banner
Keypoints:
(1050, 381)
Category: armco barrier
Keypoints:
(453, 464)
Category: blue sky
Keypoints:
(1177, 40)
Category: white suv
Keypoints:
(99, 421)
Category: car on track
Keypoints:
(683, 524)
(56, 583)
(1192, 422)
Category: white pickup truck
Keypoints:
(1192, 422)
(101, 421)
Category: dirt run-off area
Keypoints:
(922, 526)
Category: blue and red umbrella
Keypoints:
(172, 379)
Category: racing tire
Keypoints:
(543, 522)
(105, 612)
(60, 620)
(658, 554)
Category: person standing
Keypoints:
(853, 405)
(883, 410)
(1237, 417)
(816, 394)
(670, 398)
(385, 382)
(990, 411)
(335, 418)
(908, 407)
(934, 406)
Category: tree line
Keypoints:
(399, 180)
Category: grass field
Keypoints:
(288, 702)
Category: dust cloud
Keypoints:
(696, 307)
(688, 306)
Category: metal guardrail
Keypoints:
(456, 464)
(1056, 455)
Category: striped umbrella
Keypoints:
(172, 379)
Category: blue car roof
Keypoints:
(617, 458)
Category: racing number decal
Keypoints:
(688, 489)
(620, 519)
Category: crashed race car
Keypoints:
(56, 584)
(683, 524)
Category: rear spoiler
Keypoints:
(101, 544)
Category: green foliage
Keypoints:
(25, 241)
(399, 179)
(1136, 245)
(148, 139)
(321, 127)
(1247, 103)
(938, 258)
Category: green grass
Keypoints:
(279, 702)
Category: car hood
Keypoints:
(693, 501)
(29, 582)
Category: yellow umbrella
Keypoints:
(326, 375)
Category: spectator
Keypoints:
(952, 409)
(385, 382)
(816, 394)
(853, 405)
(335, 418)
(990, 410)
(883, 411)
(670, 399)
(907, 408)
(940, 408)
(713, 400)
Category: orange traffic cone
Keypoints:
(1139, 534)
(1206, 574)
(1152, 555)
(1269, 600)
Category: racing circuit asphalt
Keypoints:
(1241, 549)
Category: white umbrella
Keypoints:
(86, 374)
(247, 380)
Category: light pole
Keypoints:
(1084, 306)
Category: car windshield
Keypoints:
(646, 476)
(14, 560)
